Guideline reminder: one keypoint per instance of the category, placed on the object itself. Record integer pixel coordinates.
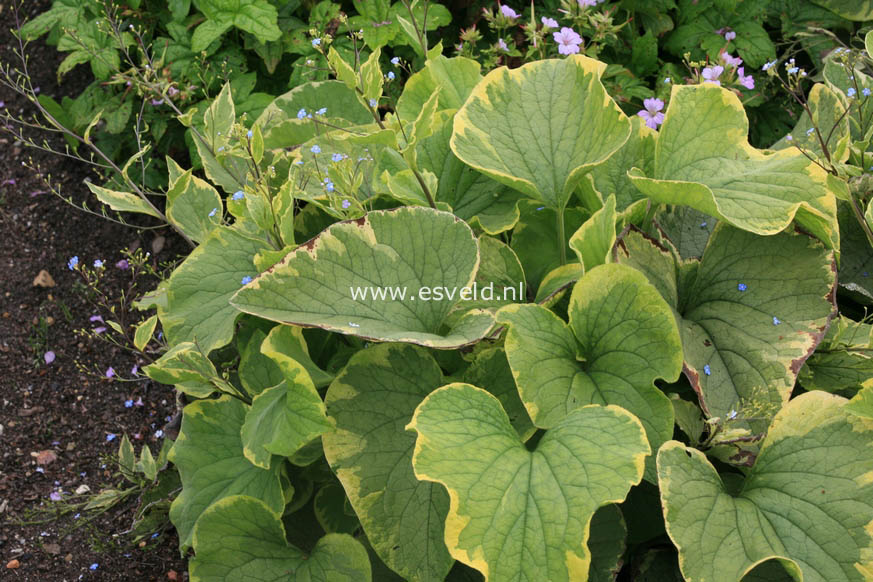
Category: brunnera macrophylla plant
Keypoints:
(356, 413)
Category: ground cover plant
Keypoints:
(449, 319)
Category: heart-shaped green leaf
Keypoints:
(372, 400)
(750, 311)
(807, 502)
(703, 159)
(240, 538)
(389, 276)
(212, 466)
(530, 520)
(621, 337)
(539, 128)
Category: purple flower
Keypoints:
(110, 372)
(135, 372)
(123, 264)
(172, 91)
(128, 403)
(2, 104)
(346, 203)
(501, 44)
(94, 566)
(49, 357)
(94, 318)
(110, 437)
(328, 185)
(746, 81)
(729, 60)
(568, 41)
(139, 402)
(706, 370)
(587, 3)
(508, 12)
(711, 74)
(99, 329)
(730, 35)
(71, 264)
(549, 22)
(337, 157)
(55, 496)
(652, 112)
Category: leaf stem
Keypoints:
(562, 241)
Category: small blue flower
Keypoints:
(731, 415)
(540, 208)
(769, 65)
(71, 264)
(328, 186)
(789, 137)
(212, 212)
(94, 566)
(221, 149)
(154, 535)
(741, 286)
(667, 81)
(238, 195)
(395, 61)
(706, 370)
(373, 102)
(110, 437)
(246, 280)
(98, 264)
(793, 70)
(866, 91)
(390, 76)
(159, 434)
(346, 203)
(301, 114)
(315, 149)
(338, 157)
(703, 224)
(316, 42)
(810, 130)
(322, 111)
(128, 403)
(776, 320)
(850, 92)
(249, 134)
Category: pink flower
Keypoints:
(729, 60)
(730, 35)
(711, 74)
(568, 41)
(55, 496)
(49, 357)
(587, 3)
(508, 12)
(123, 264)
(652, 112)
(501, 44)
(110, 372)
(549, 22)
(746, 81)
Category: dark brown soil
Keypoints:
(59, 407)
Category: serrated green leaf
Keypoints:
(734, 350)
(807, 501)
(208, 32)
(258, 17)
(212, 466)
(551, 114)
(533, 521)
(621, 337)
(240, 538)
(407, 249)
(703, 160)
